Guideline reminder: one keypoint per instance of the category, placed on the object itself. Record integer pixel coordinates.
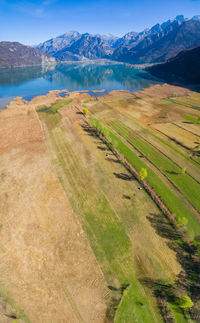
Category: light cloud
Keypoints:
(34, 9)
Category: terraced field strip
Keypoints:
(193, 169)
(180, 147)
(189, 126)
(181, 126)
(182, 154)
(179, 159)
(173, 146)
(181, 102)
(192, 98)
(188, 186)
(176, 205)
(184, 137)
(107, 236)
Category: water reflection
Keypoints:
(17, 75)
(95, 76)
(36, 80)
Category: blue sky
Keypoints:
(31, 22)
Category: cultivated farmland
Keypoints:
(105, 243)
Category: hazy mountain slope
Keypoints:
(185, 67)
(87, 46)
(73, 45)
(109, 39)
(52, 46)
(16, 54)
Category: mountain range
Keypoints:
(153, 45)
(156, 44)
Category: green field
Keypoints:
(174, 203)
(53, 108)
(188, 186)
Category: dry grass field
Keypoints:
(47, 265)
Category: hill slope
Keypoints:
(185, 67)
(16, 54)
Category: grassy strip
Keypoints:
(174, 203)
(185, 183)
(55, 106)
(139, 309)
(192, 119)
(178, 314)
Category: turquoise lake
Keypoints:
(28, 82)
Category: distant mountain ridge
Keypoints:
(184, 68)
(155, 44)
(16, 54)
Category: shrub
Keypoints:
(183, 170)
(182, 221)
(85, 111)
(185, 302)
(143, 173)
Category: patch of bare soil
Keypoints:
(73, 112)
(161, 91)
(48, 99)
(98, 91)
(46, 263)
(120, 93)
